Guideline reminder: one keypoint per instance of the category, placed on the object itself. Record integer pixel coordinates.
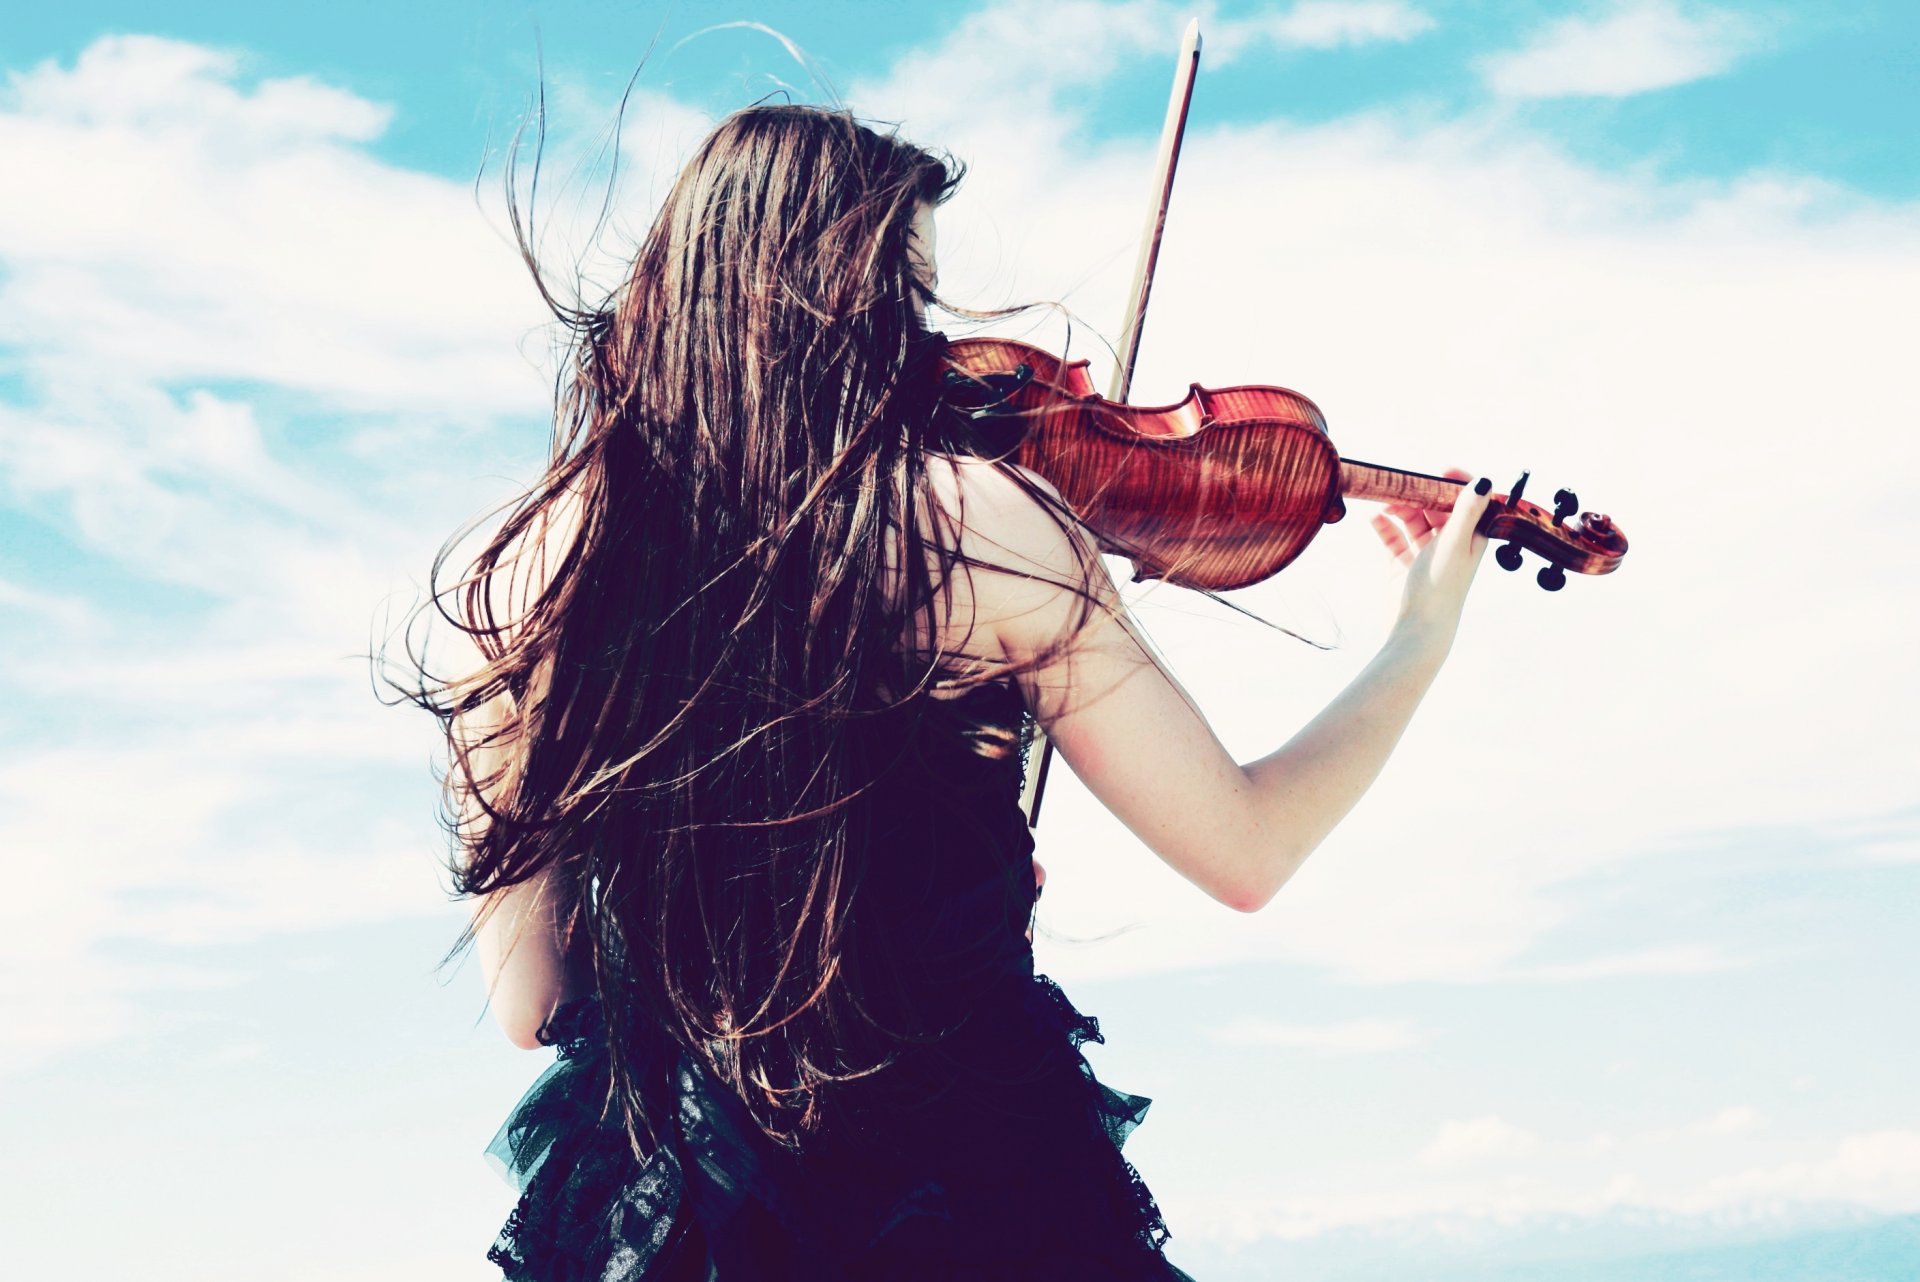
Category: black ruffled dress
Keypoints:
(992, 1155)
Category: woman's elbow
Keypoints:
(1275, 870)
(524, 988)
(521, 1032)
(521, 1020)
(1241, 895)
(523, 962)
(1249, 900)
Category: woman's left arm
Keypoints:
(523, 958)
(517, 929)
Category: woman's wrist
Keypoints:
(1422, 637)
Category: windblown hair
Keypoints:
(718, 575)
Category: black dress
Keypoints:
(993, 1155)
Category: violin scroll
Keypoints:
(1591, 544)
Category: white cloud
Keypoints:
(184, 493)
(156, 85)
(1478, 1139)
(69, 612)
(173, 780)
(1737, 1119)
(1633, 47)
(1896, 851)
(1352, 1037)
(1725, 1123)
(183, 228)
(1316, 24)
(1870, 1173)
(1878, 1169)
(162, 780)
(1007, 54)
(178, 844)
(1678, 959)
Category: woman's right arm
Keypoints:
(1135, 738)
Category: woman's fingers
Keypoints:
(1463, 537)
(1453, 474)
(1406, 527)
(1417, 519)
(1411, 531)
(1437, 517)
(1403, 538)
(1396, 542)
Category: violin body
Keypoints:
(1229, 485)
(1221, 490)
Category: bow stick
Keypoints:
(1034, 786)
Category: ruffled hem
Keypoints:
(589, 1210)
(1120, 1112)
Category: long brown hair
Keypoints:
(680, 620)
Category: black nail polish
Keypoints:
(1482, 485)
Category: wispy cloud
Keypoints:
(1632, 47)
(196, 840)
(1675, 959)
(1733, 1120)
(1477, 1139)
(152, 83)
(1008, 52)
(1445, 1197)
(68, 612)
(1878, 1169)
(1893, 851)
(1317, 24)
(1736, 1119)
(186, 229)
(1351, 1037)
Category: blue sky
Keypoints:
(1814, 89)
(1607, 978)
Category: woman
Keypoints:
(735, 783)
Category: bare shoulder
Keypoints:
(1012, 521)
(1028, 567)
(997, 499)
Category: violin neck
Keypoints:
(1372, 483)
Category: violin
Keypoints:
(1225, 488)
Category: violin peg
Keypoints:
(1519, 488)
(1508, 555)
(1551, 577)
(1565, 504)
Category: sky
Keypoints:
(1609, 976)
